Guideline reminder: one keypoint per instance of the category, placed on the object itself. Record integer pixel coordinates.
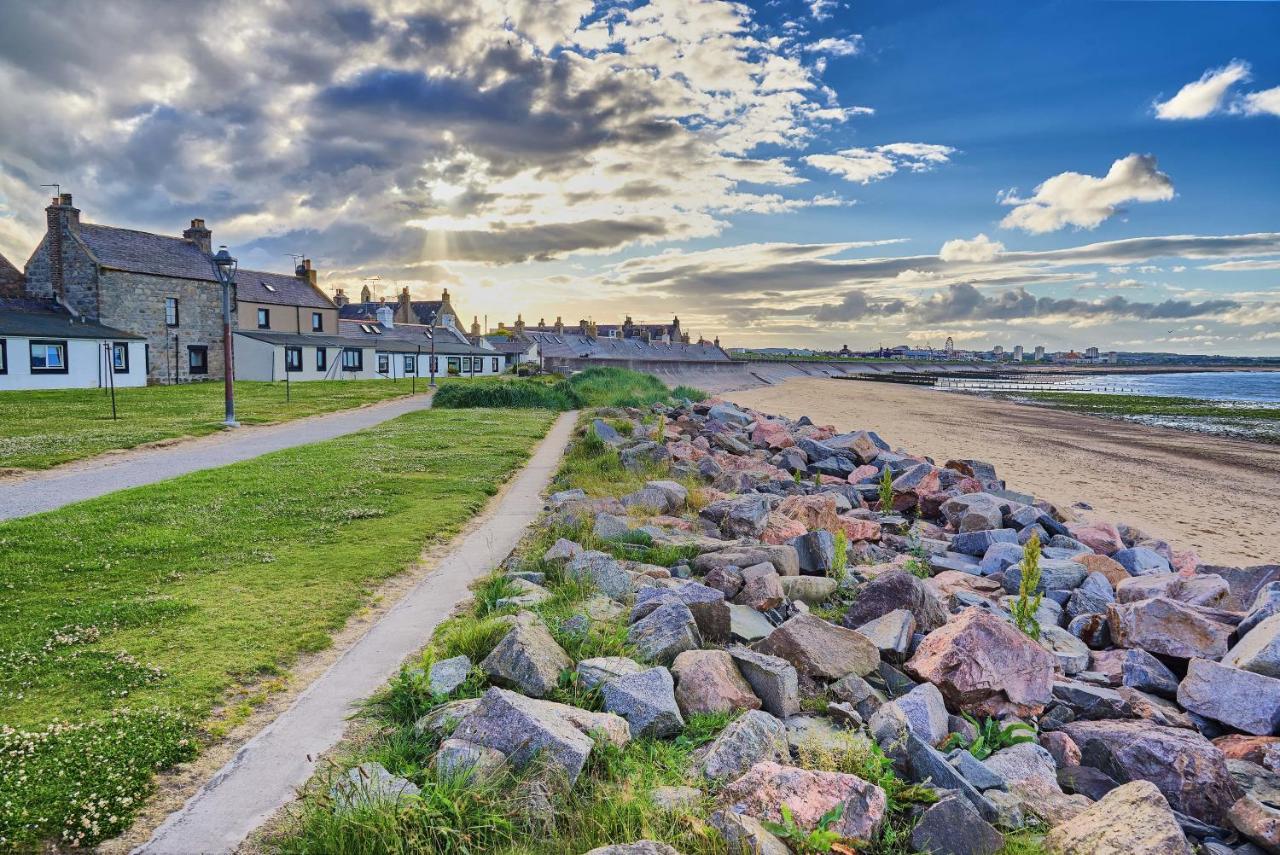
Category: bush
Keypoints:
(595, 387)
(508, 394)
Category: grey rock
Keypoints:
(647, 701)
(813, 590)
(603, 571)
(1167, 628)
(644, 456)
(1091, 702)
(782, 557)
(864, 698)
(926, 763)
(640, 847)
(750, 739)
(562, 550)
(594, 672)
(1259, 650)
(891, 633)
(747, 625)
(459, 757)
(369, 783)
(774, 681)
(816, 550)
(746, 835)
(1072, 653)
(649, 499)
(1142, 561)
(1240, 699)
(675, 798)
(1092, 629)
(978, 542)
(924, 711)
(448, 674)
(894, 590)
(1265, 604)
(940, 562)
(743, 516)
(725, 412)
(1000, 556)
(974, 512)
(442, 720)
(609, 526)
(1055, 575)
(952, 826)
(606, 432)
(667, 631)
(707, 604)
(527, 659)
(975, 771)
(1245, 582)
(1008, 808)
(1135, 668)
(527, 594)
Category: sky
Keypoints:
(805, 173)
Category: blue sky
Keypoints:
(798, 172)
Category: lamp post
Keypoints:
(225, 266)
(433, 355)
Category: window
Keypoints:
(4, 357)
(293, 359)
(120, 357)
(49, 357)
(197, 359)
(264, 319)
(268, 285)
(352, 359)
(384, 363)
(171, 311)
(466, 365)
(455, 365)
(317, 321)
(322, 357)
(409, 366)
(495, 365)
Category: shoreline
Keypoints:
(1205, 492)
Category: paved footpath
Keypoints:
(266, 772)
(97, 476)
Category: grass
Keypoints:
(149, 608)
(510, 393)
(44, 428)
(594, 387)
(1193, 413)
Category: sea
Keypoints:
(1255, 387)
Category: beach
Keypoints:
(1216, 495)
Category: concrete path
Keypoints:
(265, 773)
(97, 476)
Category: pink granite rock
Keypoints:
(1102, 537)
(709, 682)
(767, 786)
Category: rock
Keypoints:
(809, 794)
(1187, 768)
(1245, 582)
(675, 798)
(744, 516)
(747, 625)
(924, 710)
(647, 701)
(860, 445)
(645, 456)
(555, 500)
(1205, 590)
(601, 608)
(941, 562)
(448, 674)
(1101, 537)
(562, 550)
(1093, 630)
(779, 529)
(1090, 702)
(744, 835)
(1155, 710)
(369, 783)
(951, 826)
(1133, 819)
(527, 659)
(864, 698)
(726, 412)
(895, 590)
(640, 847)
(1008, 808)
(726, 580)
(1240, 699)
(1257, 821)
(761, 588)
(594, 672)
(891, 633)
(746, 741)
(1136, 668)
(814, 512)
(974, 512)
(667, 631)
(978, 542)
(1262, 750)
(442, 720)
(925, 764)
(603, 571)
(1145, 587)
(782, 557)
(860, 530)
(773, 680)
(985, 666)
(710, 611)
(527, 594)
(1266, 604)
(820, 649)
(975, 771)
(812, 590)
(999, 557)
(459, 757)
(1108, 567)
(1141, 561)
(523, 728)
(817, 551)
(979, 470)
(1030, 773)
(1055, 575)
(1072, 653)
(1064, 751)
(1259, 650)
(605, 431)
(1084, 780)
(1167, 628)
(707, 681)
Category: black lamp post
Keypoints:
(225, 266)
(433, 354)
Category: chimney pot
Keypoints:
(200, 235)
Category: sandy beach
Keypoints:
(1218, 496)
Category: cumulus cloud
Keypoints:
(980, 248)
(1085, 201)
(1205, 96)
(847, 46)
(865, 165)
(1265, 102)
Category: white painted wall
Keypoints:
(87, 365)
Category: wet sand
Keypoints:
(1218, 496)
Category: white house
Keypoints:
(43, 346)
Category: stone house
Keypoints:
(12, 282)
(164, 289)
(405, 310)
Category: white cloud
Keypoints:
(1085, 201)
(1205, 96)
(981, 248)
(821, 9)
(837, 47)
(1257, 103)
(865, 165)
(1245, 264)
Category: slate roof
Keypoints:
(35, 318)
(407, 337)
(426, 311)
(506, 344)
(576, 345)
(9, 274)
(161, 255)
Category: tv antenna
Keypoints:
(57, 188)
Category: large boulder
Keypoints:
(710, 611)
(1135, 668)
(891, 633)
(1245, 582)
(782, 557)
(1259, 650)
(603, 571)
(953, 826)
(1055, 575)
(923, 711)
(527, 658)
(524, 728)
(860, 445)
(818, 511)
(1167, 628)
(761, 588)
(1258, 821)
(773, 680)
(645, 456)
(1133, 819)
(1190, 771)
(894, 590)
(646, 700)
(746, 741)
(767, 786)
(707, 681)
(985, 666)
(594, 672)
(1142, 561)
(974, 512)
(746, 835)
(664, 633)
(821, 649)
(640, 847)
(1239, 699)
(741, 516)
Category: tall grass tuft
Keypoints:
(508, 394)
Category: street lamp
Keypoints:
(432, 334)
(225, 266)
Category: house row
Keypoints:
(99, 305)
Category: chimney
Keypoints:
(200, 236)
(559, 326)
(365, 294)
(340, 299)
(582, 326)
(303, 270)
(61, 218)
(475, 325)
(386, 316)
(405, 308)
(519, 324)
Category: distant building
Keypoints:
(1091, 353)
(1039, 357)
(998, 351)
(1017, 353)
(405, 310)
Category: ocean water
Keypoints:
(1255, 387)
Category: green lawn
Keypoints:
(45, 428)
(125, 619)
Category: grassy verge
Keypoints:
(125, 620)
(519, 813)
(1191, 413)
(44, 428)
(595, 387)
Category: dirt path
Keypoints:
(87, 479)
(1218, 496)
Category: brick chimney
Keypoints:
(340, 298)
(559, 326)
(307, 272)
(404, 312)
(199, 235)
(61, 218)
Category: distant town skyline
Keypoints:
(805, 173)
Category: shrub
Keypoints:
(841, 563)
(886, 491)
(508, 394)
(1025, 608)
